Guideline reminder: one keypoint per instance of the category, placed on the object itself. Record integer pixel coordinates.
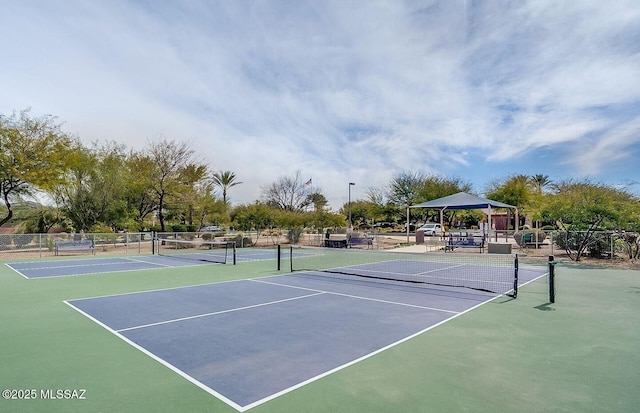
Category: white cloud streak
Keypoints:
(340, 90)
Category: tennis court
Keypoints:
(248, 341)
(224, 338)
(172, 259)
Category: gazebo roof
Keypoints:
(462, 200)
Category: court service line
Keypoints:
(441, 269)
(358, 297)
(44, 264)
(231, 310)
(364, 357)
(149, 262)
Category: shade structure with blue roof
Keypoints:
(463, 200)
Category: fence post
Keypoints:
(612, 245)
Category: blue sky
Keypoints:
(341, 91)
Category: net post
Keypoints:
(515, 277)
(291, 258)
(552, 276)
(279, 255)
(234, 252)
(153, 243)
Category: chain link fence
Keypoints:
(592, 244)
(23, 246)
(600, 244)
(542, 243)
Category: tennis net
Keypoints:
(197, 250)
(495, 273)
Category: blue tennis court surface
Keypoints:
(247, 342)
(83, 266)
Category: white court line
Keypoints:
(162, 361)
(231, 310)
(366, 356)
(147, 262)
(126, 261)
(8, 265)
(441, 269)
(99, 262)
(233, 404)
(356, 297)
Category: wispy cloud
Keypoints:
(340, 90)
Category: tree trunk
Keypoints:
(9, 209)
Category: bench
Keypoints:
(335, 243)
(81, 245)
(368, 241)
(465, 241)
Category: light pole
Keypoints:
(350, 223)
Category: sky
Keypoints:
(341, 91)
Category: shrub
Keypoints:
(527, 237)
(242, 241)
(21, 240)
(629, 243)
(593, 244)
(294, 235)
(178, 228)
(189, 236)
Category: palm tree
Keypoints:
(540, 182)
(225, 180)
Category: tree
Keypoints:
(540, 183)
(362, 212)
(34, 155)
(41, 219)
(257, 216)
(376, 196)
(404, 188)
(94, 191)
(516, 190)
(289, 193)
(402, 192)
(169, 161)
(225, 180)
(318, 201)
(293, 221)
(194, 192)
(437, 186)
(139, 193)
(581, 209)
(320, 219)
(207, 206)
(380, 206)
